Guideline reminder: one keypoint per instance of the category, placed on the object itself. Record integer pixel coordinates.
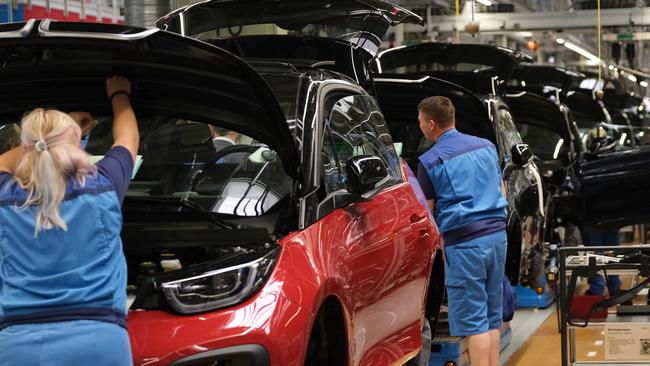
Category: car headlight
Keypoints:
(219, 288)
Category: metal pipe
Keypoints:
(144, 13)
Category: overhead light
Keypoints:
(631, 78)
(622, 139)
(485, 2)
(523, 83)
(611, 67)
(581, 51)
(644, 84)
(560, 41)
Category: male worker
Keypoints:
(222, 138)
(461, 179)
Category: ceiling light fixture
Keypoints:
(644, 84)
(485, 2)
(560, 41)
(582, 51)
(631, 78)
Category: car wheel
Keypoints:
(422, 359)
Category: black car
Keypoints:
(578, 92)
(594, 184)
(547, 126)
(471, 76)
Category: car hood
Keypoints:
(398, 96)
(64, 64)
(536, 77)
(586, 108)
(535, 109)
(502, 60)
(373, 16)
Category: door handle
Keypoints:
(419, 222)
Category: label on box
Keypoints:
(627, 342)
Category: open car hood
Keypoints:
(439, 56)
(373, 16)
(398, 96)
(538, 77)
(64, 65)
(536, 110)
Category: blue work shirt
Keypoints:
(66, 275)
(462, 173)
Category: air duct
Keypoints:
(144, 13)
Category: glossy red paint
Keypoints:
(372, 257)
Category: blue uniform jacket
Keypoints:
(465, 175)
(59, 275)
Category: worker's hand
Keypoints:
(116, 84)
(85, 121)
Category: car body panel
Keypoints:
(373, 16)
(346, 255)
(616, 188)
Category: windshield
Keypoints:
(221, 170)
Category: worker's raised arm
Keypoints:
(125, 125)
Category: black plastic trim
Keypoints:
(256, 353)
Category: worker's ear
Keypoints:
(432, 124)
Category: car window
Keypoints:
(546, 144)
(355, 127)
(223, 171)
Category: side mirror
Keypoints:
(365, 173)
(522, 155)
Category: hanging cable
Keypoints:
(600, 59)
(473, 2)
(457, 16)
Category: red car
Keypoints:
(300, 243)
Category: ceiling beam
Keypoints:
(559, 20)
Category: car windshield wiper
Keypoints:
(187, 203)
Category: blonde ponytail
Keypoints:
(52, 156)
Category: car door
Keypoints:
(387, 247)
(616, 188)
(525, 218)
